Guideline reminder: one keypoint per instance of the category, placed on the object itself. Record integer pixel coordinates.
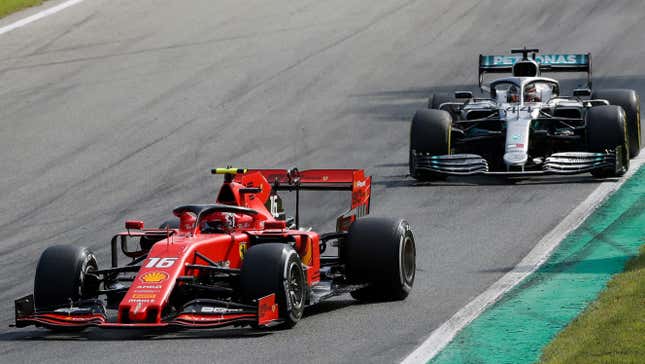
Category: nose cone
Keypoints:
(138, 313)
(515, 158)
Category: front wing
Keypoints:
(196, 314)
(566, 163)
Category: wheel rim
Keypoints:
(295, 287)
(409, 259)
(88, 280)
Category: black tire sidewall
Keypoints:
(430, 133)
(373, 254)
(606, 129)
(265, 270)
(60, 276)
(629, 100)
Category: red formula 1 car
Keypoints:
(240, 261)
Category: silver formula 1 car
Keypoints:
(525, 126)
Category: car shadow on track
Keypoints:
(96, 334)
(397, 181)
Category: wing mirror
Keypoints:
(582, 92)
(463, 95)
(134, 224)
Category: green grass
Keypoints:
(9, 6)
(612, 329)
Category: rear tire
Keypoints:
(430, 133)
(629, 100)
(606, 129)
(380, 252)
(275, 268)
(62, 275)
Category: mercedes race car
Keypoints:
(239, 261)
(525, 126)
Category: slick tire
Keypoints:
(430, 133)
(629, 100)
(435, 100)
(275, 268)
(381, 253)
(63, 273)
(607, 129)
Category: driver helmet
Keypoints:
(220, 222)
(531, 94)
(513, 94)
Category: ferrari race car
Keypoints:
(525, 126)
(239, 261)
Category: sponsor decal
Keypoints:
(148, 286)
(519, 145)
(325, 178)
(139, 300)
(242, 249)
(198, 318)
(514, 156)
(515, 138)
(361, 183)
(72, 318)
(144, 295)
(221, 310)
(546, 59)
(154, 277)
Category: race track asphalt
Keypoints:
(118, 109)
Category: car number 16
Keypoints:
(161, 262)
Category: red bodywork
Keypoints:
(179, 254)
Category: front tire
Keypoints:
(629, 100)
(275, 268)
(64, 274)
(380, 252)
(430, 134)
(607, 130)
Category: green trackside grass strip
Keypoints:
(518, 327)
(9, 6)
(612, 329)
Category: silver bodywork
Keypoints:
(517, 118)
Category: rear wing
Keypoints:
(353, 180)
(564, 62)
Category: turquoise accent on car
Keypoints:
(563, 59)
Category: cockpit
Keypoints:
(540, 91)
(513, 91)
(506, 92)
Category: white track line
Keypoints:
(440, 337)
(45, 13)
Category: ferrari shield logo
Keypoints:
(242, 250)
